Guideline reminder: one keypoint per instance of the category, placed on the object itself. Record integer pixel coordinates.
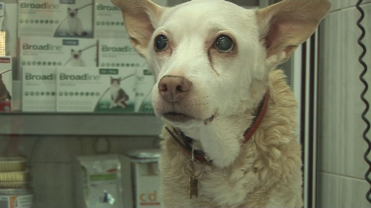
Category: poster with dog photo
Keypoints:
(58, 52)
(5, 83)
(95, 90)
(56, 18)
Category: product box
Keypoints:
(56, 18)
(95, 90)
(143, 89)
(38, 89)
(119, 53)
(109, 22)
(5, 83)
(58, 52)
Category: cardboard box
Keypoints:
(95, 90)
(6, 84)
(58, 52)
(109, 22)
(38, 89)
(119, 53)
(56, 18)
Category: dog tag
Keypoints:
(193, 189)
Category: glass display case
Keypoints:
(74, 93)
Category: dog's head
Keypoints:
(76, 54)
(206, 54)
(72, 12)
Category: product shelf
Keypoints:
(79, 124)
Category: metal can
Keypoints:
(16, 198)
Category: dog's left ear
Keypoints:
(80, 51)
(287, 24)
(140, 18)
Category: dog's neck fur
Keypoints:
(222, 138)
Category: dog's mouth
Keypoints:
(184, 118)
(178, 117)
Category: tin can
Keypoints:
(16, 198)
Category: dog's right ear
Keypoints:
(140, 18)
(72, 51)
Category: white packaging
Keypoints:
(58, 52)
(5, 83)
(147, 181)
(56, 18)
(39, 94)
(109, 22)
(119, 53)
(95, 90)
(143, 89)
(102, 181)
(146, 177)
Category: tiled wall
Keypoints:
(342, 168)
(54, 174)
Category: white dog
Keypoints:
(222, 99)
(74, 23)
(76, 60)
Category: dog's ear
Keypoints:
(80, 51)
(287, 24)
(141, 18)
(69, 9)
(72, 51)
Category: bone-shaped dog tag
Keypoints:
(193, 189)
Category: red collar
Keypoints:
(200, 155)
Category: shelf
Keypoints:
(79, 124)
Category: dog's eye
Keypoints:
(161, 43)
(224, 44)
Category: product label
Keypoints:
(39, 94)
(148, 185)
(56, 52)
(95, 90)
(119, 53)
(56, 18)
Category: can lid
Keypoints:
(144, 154)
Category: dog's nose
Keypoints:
(174, 88)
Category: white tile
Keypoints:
(340, 142)
(350, 3)
(335, 5)
(339, 191)
(53, 185)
